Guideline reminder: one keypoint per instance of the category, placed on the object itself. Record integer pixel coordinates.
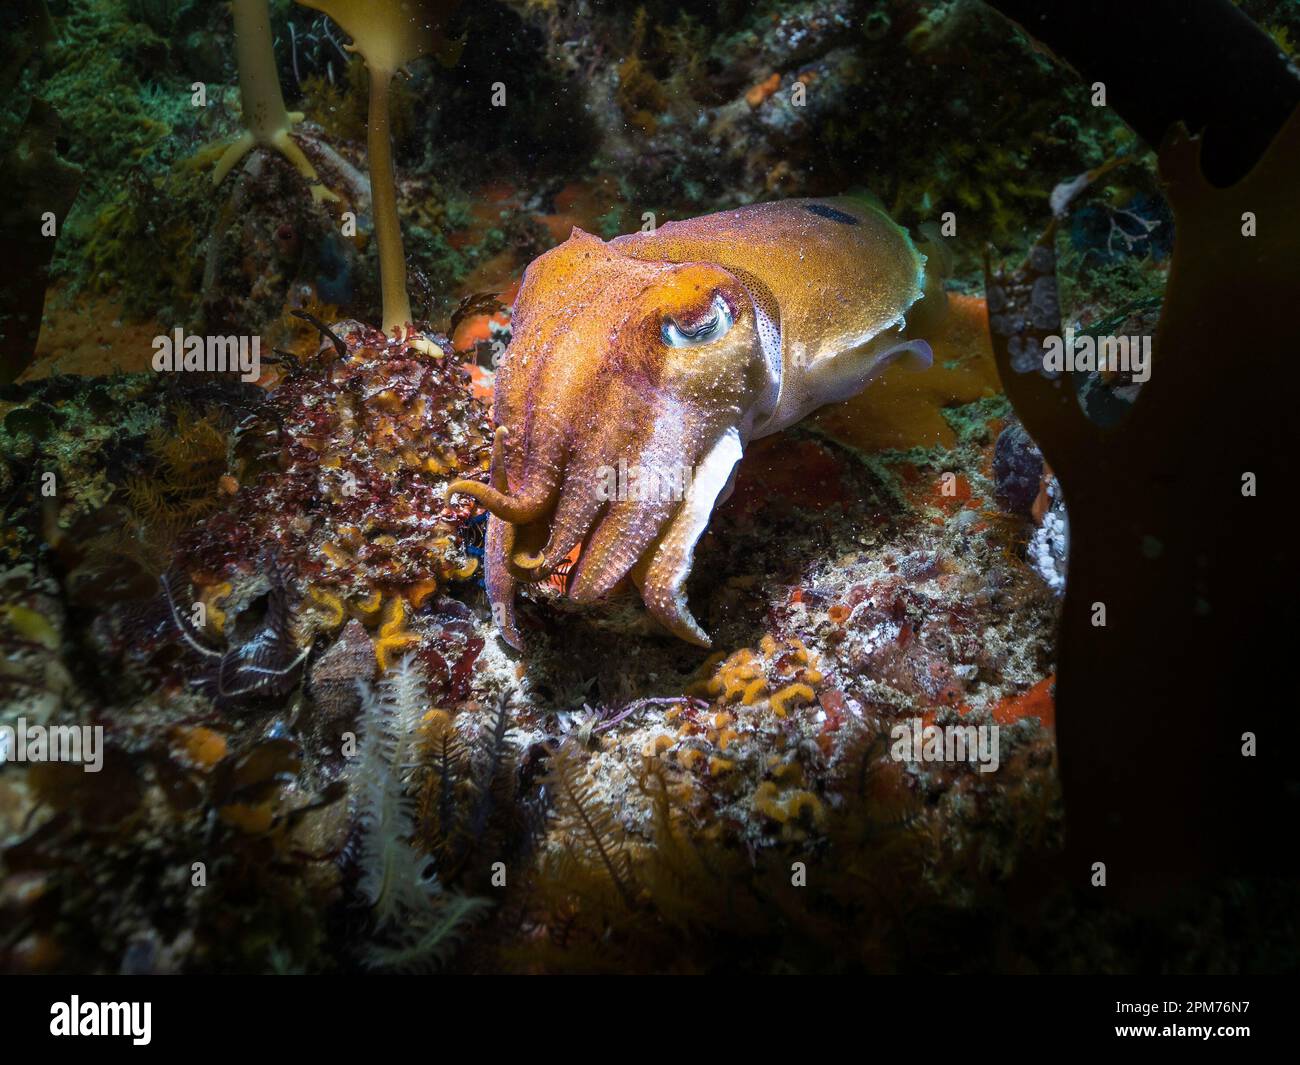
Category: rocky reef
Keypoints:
(318, 754)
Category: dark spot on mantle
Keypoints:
(823, 211)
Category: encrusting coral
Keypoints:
(341, 475)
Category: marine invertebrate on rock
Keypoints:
(472, 809)
(265, 664)
(420, 922)
(1017, 469)
(640, 96)
(621, 416)
(388, 34)
(267, 122)
(794, 809)
(789, 693)
(778, 674)
(393, 635)
(342, 472)
(1049, 547)
(700, 901)
(393, 879)
(188, 453)
(592, 833)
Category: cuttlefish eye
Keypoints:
(714, 325)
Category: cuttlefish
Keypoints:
(665, 353)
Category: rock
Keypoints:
(333, 687)
(1017, 470)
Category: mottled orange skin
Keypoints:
(783, 306)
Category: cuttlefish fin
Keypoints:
(662, 574)
(914, 354)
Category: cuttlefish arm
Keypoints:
(661, 574)
(663, 354)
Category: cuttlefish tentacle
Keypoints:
(531, 503)
(532, 563)
(626, 530)
(524, 555)
(670, 351)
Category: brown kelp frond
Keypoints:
(390, 33)
(267, 123)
